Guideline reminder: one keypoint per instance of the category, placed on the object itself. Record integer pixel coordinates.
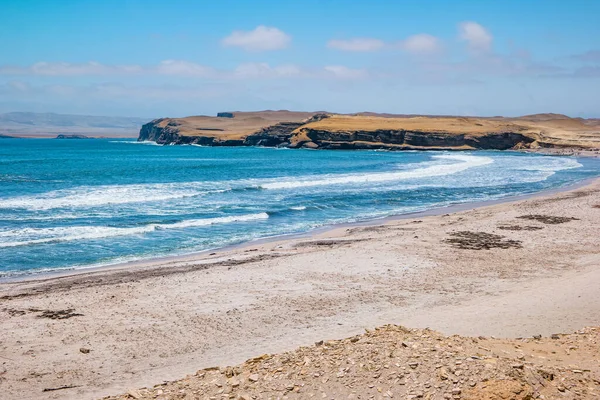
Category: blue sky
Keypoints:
(156, 58)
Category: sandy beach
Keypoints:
(508, 270)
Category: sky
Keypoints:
(153, 59)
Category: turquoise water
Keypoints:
(79, 203)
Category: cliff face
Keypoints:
(407, 140)
(158, 132)
(278, 135)
(166, 131)
(324, 131)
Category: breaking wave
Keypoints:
(465, 162)
(65, 234)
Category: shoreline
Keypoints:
(498, 270)
(151, 262)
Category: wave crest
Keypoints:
(465, 162)
(65, 234)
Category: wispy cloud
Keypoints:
(186, 69)
(356, 44)
(69, 69)
(262, 38)
(264, 70)
(182, 68)
(422, 43)
(588, 56)
(340, 71)
(477, 37)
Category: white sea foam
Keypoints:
(536, 168)
(298, 208)
(91, 196)
(464, 162)
(549, 164)
(31, 236)
(145, 142)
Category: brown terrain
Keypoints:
(369, 130)
(396, 362)
(526, 269)
(239, 127)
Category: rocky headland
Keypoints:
(375, 131)
(63, 136)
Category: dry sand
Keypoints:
(485, 271)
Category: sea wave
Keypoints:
(91, 196)
(535, 168)
(30, 236)
(145, 142)
(464, 162)
(546, 164)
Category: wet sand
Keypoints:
(508, 270)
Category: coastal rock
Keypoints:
(72, 137)
(408, 140)
(160, 131)
(273, 136)
(349, 132)
(310, 145)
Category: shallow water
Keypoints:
(77, 203)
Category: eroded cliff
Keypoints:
(327, 131)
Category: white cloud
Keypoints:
(342, 72)
(357, 44)
(262, 38)
(167, 67)
(264, 70)
(68, 69)
(477, 37)
(184, 68)
(421, 44)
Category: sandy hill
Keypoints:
(543, 117)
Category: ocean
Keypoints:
(67, 204)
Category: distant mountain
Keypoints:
(29, 124)
(69, 120)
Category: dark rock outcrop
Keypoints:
(277, 135)
(166, 131)
(160, 131)
(72, 137)
(401, 139)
